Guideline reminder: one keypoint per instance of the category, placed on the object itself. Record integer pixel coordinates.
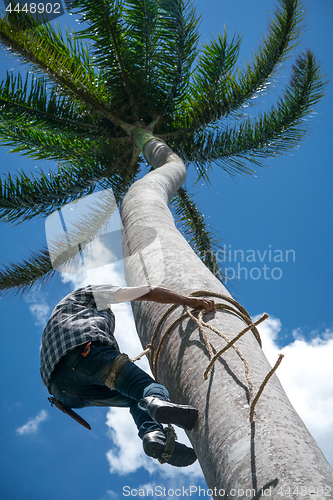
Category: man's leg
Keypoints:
(152, 400)
(80, 381)
(152, 397)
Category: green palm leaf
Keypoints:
(66, 62)
(37, 268)
(106, 28)
(207, 98)
(216, 91)
(143, 30)
(282, 35)
(23, 197)
(146, 49)
(32, 104)
(39, 144)
(179, 38)
(47, 51)
(271, 134)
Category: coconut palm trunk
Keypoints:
(275, 455)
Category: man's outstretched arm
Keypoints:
(166, 296)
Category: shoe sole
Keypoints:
(182, 456)
(183, 416)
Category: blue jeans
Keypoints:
(79, 381)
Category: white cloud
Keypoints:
(127, 455)
(126, 334)
(32, 426)
(110, 495)
(38, 306)
(306, 374)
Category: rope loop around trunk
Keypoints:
(153, 352)
(235, 308)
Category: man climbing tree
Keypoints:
(81, 365)
(141, 83)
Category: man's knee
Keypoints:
(156, 389)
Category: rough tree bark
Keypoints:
(276, 453)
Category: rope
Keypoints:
(139, 356)
(115, 368)
(236, 309)
(240, 312)
(232, 342)
(261, 388)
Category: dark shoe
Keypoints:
(163, 447)
(170, 413)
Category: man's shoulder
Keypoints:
(76, 294)
(89, 294)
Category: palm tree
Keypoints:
(131, 81)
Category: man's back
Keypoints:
(76, 320)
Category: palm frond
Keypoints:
(179, 38)
(143, 21)
(192, 224)
(23, 197)
(207, 100)
(20, 278)
(66, 62)
(123, 37)
(283, 32)
(232, 90)
(33, 104)
(271, 134)
(145, 47)
(107, 30)
(45, 145)
(216, 59)
(46, 50)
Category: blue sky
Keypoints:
(287, 207)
